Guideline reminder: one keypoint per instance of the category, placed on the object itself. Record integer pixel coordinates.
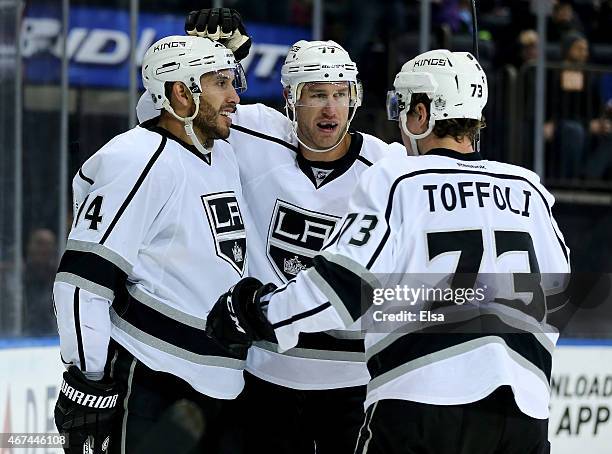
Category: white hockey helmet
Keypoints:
(185, 59)
(454, 82)
(319, 62)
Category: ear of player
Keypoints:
(84, 412)
(220, 24)
(237, 318)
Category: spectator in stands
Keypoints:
(529, 42)
(563, 20)
(457, 14)
(39, 274)
(603, 21)
(573, 108)
(527, 45)
(599, 165)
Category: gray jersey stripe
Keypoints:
(515, 319)
(452, 352)
(346, 334)
(361, 271)
(84, 284)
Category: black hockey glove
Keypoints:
(220, 24)
(84, 412)
(237, 319)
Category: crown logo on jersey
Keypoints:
(238, 254)
(293, 266)
(439, 102)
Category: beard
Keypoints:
(206, 122)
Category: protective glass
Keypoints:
(237, 76)
(240, 81)
(394, 105)
(328, 94)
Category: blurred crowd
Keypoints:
(385, 34)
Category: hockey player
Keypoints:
(485, 387)
(158, 234)
(297, 172)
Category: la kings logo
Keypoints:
(227, 225)
(295, 236)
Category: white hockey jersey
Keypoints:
(295, 204)
(446, 213)
(158, 235)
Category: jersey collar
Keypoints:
(152, 126)
(339, 166)
(474, 156)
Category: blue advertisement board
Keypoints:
(98, 46)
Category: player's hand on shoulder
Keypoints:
(237, 318)
(220, 24)
(85, 411)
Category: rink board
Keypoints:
(581, 406)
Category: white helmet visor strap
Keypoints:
(189, 123)
(403, 117)
(189, 127)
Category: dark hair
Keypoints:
(457, 128)
(168, 89)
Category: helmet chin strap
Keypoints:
(414, 148)
(294, 129)
(189, 123)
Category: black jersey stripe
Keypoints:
(81, 210)
(169, 330)
(350, 288)
(265, 137)
(77, 328)
(365, 161)
(302, 315)
(93, 268)
(502, 176)
(430, 340)
(132, 193)
(63, 360)
(278, 290)
(83, 177)
(324, 341)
